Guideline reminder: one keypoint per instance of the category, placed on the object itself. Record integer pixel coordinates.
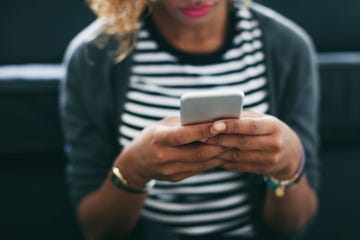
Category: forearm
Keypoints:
(293, 211)
(109, 213)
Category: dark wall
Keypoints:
(39, 30)
(333, 24)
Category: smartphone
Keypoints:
(208, 106)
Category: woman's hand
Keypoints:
(258, 143)
(170, 152)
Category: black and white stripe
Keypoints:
(215, 202)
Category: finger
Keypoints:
(252, 157)
(198, 152)
(244, 142)
(181, 135)
(180, 170)
(246, 167)
(249, 126)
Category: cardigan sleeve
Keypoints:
(88, 144)
(293, 82)
(294, 87)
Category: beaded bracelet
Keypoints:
(120, 182)
(280, 186)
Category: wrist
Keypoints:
(129, 171)
(121, 182)
(288, 171)
(280, 185)
(293, 165)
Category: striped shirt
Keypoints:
(215, 202)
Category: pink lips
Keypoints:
(196, 11)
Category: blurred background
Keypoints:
(33, 37)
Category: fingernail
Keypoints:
(219, 126)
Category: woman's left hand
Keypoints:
(258, 143)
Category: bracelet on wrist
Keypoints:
(122, 183)
(281, 186)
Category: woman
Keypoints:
(254, 177)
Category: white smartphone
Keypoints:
(208, 106)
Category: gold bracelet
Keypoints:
(117, 173)
(122, 183)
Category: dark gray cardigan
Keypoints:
(95, 87)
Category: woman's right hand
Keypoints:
(167, 151)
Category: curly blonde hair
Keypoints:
(120, 20)
(120, 16)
